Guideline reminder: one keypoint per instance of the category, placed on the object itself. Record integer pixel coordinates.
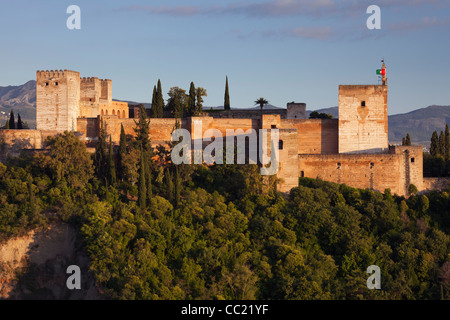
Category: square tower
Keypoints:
(57, 100)
(363, 119)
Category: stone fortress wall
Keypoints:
(352, 149)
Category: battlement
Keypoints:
(52, 74)
(89, 80)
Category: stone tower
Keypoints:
(363, 118)
(57, 100)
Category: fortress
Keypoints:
(352, 149)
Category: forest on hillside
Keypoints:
(155, 230)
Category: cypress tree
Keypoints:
(7, 124)
(403, 141)
(12, 123)
(19, 122)
(169, 184)
(408, 140)
(447, 143)
(154, 112)
(434, 147)
(100, 154)
(149, 182)
(159, 101)
(111, 165)
(442, 144)
(142, 188)
(226, 103)
(191, 100)
(177, 186)
(122, 152)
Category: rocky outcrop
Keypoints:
(34, 266)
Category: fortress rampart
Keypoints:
(352, 149)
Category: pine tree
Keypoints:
(19, 122)
(434, 147)
(191, 100)
(12, 123)
(142, 188)
(442, 144)
(111, 165)
(407, 140)
(154, 110)
(122, 152)
(226, 103)
(447, 143)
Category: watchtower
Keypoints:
(57, 100)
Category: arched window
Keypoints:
(114, 112)
(123, 114)
(102, 111)
(106, 112)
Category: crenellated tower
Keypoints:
(57, 100)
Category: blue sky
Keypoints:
(283, 50)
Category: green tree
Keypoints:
(442, 144)
(226, 103)
(447, 143)
(12, 123)
(434, 147)
(7, 124)
(19, 122)
(191, 100)
(142, 130)
(177, 103)
(320, 115)
(159, 107)
(111, 166)
(66, 157)
(200, 92)
(154, 110)
(100, 159)
(408, 140)
(122, 153)
(142, 191)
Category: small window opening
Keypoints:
(273, 126)
(302, 174)
(280, 145)
(56, 83)
(46, 83)
(412, 160)
(363, 103)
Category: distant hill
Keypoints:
(419, 123)
(21, 99)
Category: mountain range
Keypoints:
(419, 123)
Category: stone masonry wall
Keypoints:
(363, 122)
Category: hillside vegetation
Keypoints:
(160, 231)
